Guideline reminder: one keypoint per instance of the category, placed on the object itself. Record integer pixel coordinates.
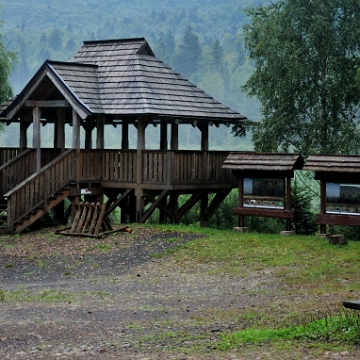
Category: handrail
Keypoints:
(16, 170)
(39, 187)
(15, 159)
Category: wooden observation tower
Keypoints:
(113, 83)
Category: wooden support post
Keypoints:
(59, 131)
(76, 144)
(141, 126)
(88, 137)
(241, 200)
(100, 140)
(37, 135)
(125, 135)
(204, 128)
(174, 136)
(322, 204)
(288, 201)
(23, 134)
(203, 209)
(163, 136)
(173, 205)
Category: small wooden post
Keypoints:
(76, 144)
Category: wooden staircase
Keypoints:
(36, 194)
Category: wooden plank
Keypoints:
(281, 214)
(337, 219)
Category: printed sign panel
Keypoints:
(264, 193)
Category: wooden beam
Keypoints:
(76, 144)
(24, 125)
(100, 138)
(125, 135)
(174, 136)
(117, 202)
(59, 134)
(48, 103)
(153, 206)
(163, 136)
(37, 136)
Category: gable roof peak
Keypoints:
(143, 46)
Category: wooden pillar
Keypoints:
(163, 136)
(76, 144)
(204, 128)
(204, 209)
(100, 139)
(37, 135)
(141, 126)
(125, 135)
(288, 201)
(173, 205)
(241, 200)
(59, 130)
(88, 136)
(322, 204)
(23, 134)
(174, 136)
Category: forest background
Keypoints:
(200, 39)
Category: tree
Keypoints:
(306, 56)
(189, 54)
(7, 59)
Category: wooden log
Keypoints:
(94, 218)
(76, 219)
(85, 208)
(100, 219)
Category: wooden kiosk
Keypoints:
(339, 178)
(264, 182)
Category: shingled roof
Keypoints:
(123, 77)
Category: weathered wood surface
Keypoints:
(276, 213)
(35, 191)
(158, 167)
(338, 219)
(6, 154)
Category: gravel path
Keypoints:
(111, 299)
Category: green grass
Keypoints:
(340, 328)
(301, 263)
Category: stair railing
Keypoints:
(16, 170)
(34, 191)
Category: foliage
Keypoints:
(7, 59)
(302, 197)
(307, 60)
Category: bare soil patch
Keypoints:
(117, 298)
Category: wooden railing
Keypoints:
(108, 165)
(38, 188)
(6, 154)
(198, 166)
(158, 167)
(16, 170)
